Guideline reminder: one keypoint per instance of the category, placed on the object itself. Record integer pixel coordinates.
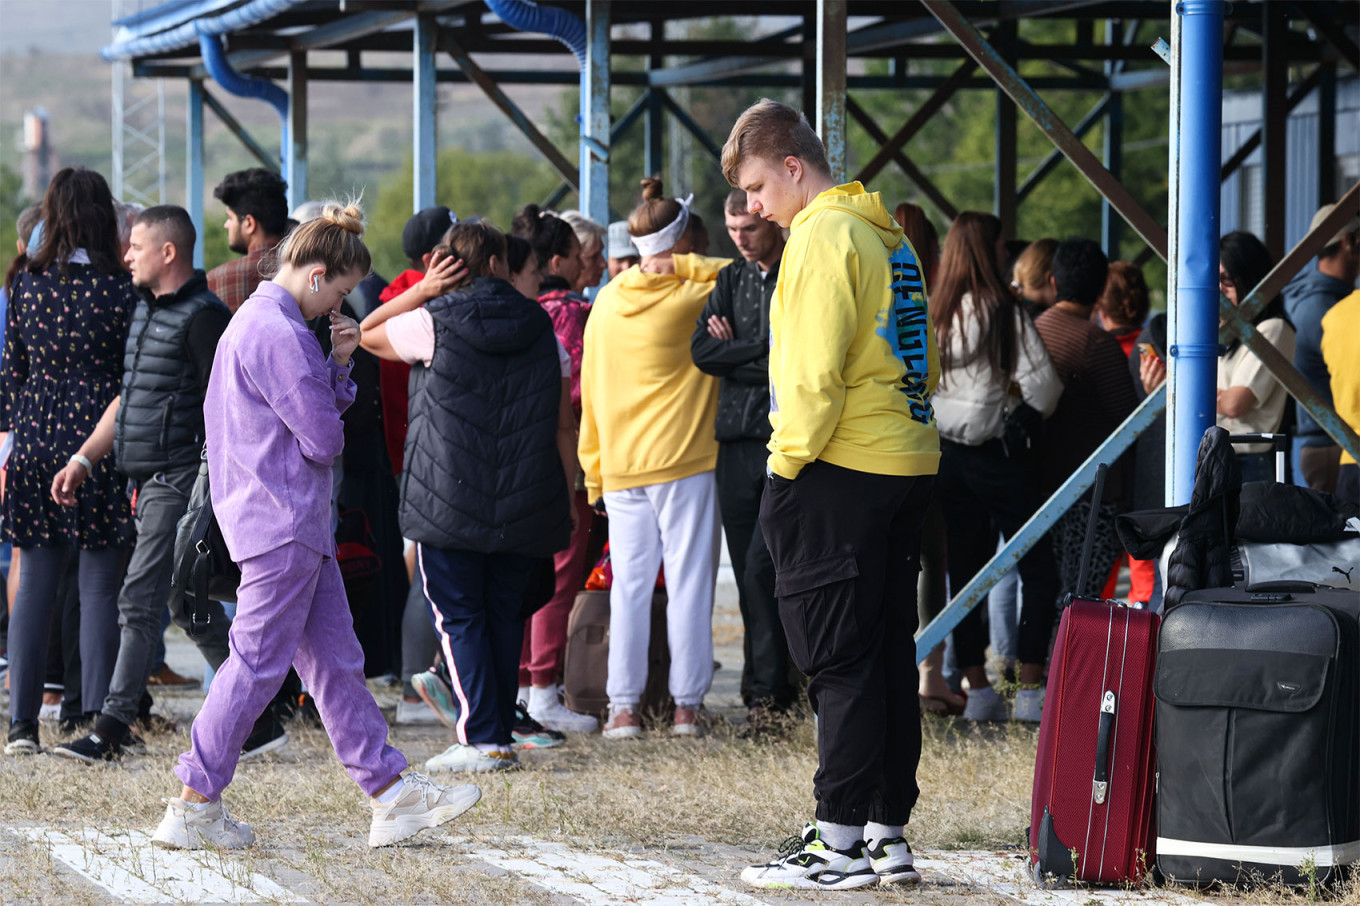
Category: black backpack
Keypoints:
(204, 569)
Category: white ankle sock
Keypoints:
(486, 746)
(196, 806)
(838, 836)
(392, 792)
(523, 694)
(874, 831)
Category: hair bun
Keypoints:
(348, 218)
(652, 188)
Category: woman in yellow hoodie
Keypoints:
(647, 448)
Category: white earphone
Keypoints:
(316, 284)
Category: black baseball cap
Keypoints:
(424, 230)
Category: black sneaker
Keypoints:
(89, 749)
(267, 736)
(531, 734)
(806, 862)
(79, 723)
(23, 738)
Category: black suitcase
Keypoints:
(1258, 735)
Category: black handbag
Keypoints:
(204, 570)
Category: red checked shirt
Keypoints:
(235, 281)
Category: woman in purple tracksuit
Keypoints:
(273, 430)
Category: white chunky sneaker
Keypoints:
(416, 712)
(186, 827)
(892, 861)
(1029, 706)
(422, 804)
(472, 760)
(556, 716)
(807, 863)
(984, 705)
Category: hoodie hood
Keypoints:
(491, 316)
(637, 292)
(1312, 288)
(852, 199)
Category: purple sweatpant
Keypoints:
(291, 610)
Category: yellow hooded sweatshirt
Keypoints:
(853, 360)
(647, 413)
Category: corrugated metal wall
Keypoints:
(1242, 202)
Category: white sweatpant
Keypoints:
(677, 522)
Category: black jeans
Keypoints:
(983, 492)
(741, 483)
(846, 548)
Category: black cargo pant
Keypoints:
(846, 548)
(741, 482)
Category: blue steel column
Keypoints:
(595, 137)
(295, 154)
(193, 165)
(423, 113)
(1196, 347)
(831, 15)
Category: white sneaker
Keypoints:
(472, 760)
(984, 705)
(807, 863)
(186, 827)
(1029, 706)
(892, 861)
(554, 715)
(421, 804)
(416, 712)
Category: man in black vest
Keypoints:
(155, 430)
(732, 341)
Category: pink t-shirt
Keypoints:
(411, 334)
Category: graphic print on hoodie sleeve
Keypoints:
(909, 332)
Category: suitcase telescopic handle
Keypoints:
(1100, 786)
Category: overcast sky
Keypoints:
(55, 26)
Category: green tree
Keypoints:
(491, 185)
(12, 202)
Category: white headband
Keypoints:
(666, 237)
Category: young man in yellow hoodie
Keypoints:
(852, 458)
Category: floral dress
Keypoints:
(63, 365)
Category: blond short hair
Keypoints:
(772, 131)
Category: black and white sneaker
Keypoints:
(23, 738)
(90, 749)
(267, 736)
(807, 863)
(892, 861)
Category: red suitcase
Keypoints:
(1093, 779)
(1091, 812)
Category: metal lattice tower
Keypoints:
(138, 126)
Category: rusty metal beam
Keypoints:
(1299, 256)
(1045, 167)
(1153, 233)
(1284, 372)
(831, 16)
(694, 129)
(928, 109)
(449, 44)
(1253, 141)
(913, 172)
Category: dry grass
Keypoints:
(718, 801)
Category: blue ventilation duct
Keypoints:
(197, 23)
(244, 86)
(549, 20)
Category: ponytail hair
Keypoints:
(655, 212)
(333, 239)
(548, 233)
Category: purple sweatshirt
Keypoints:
(272, 421)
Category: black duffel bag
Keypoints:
(204, 569)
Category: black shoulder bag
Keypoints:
(204, 570)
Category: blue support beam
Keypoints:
(595, 137)
(831, 18)
(193, 168)
(1195, 350)
(1036, 529)
(423, 114)
(295, 154)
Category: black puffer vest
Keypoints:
(160, 419)
(482, 468)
